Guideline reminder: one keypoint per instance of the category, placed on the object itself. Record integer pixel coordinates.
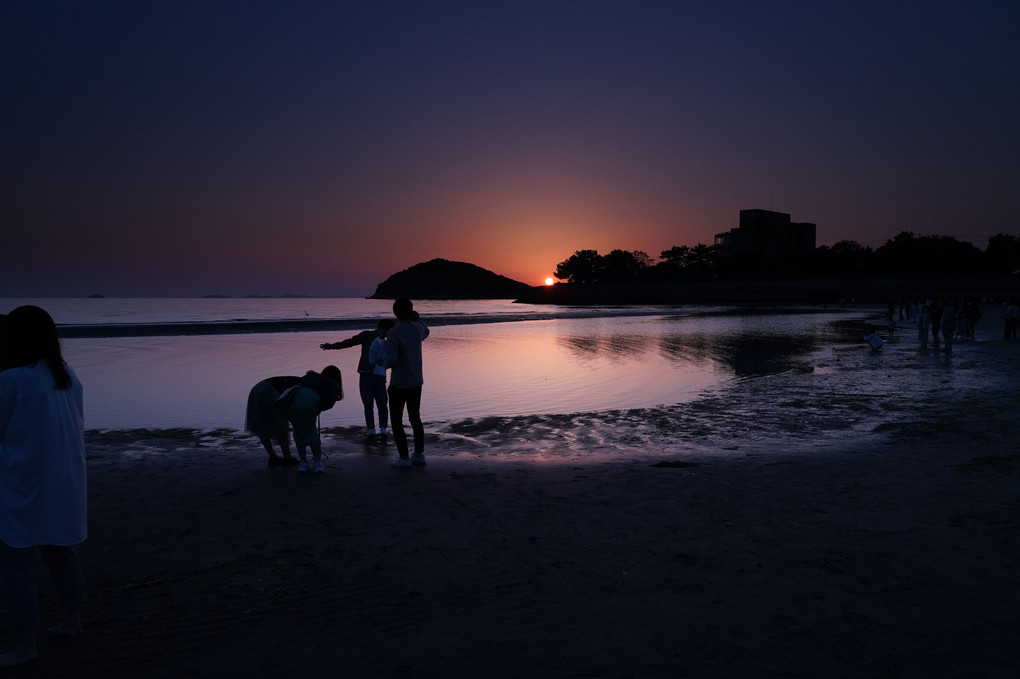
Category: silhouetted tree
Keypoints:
(844, 258)
(927, 255)
(850, 248)
(1003, 254)
(905, 254)
(622, 266)
(685, 262)
(584, 266)
(671, 263)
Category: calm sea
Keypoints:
(117, 314)
(483, 358)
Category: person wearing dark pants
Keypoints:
(411, 399)
(371, 376)
(404, 358)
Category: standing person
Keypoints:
(313, 394)
(935, 310)
(923, 326)
(972, 310)
(1011, 317)
(43, 503)
(263, 419)
(371, 375)
(403, 356)
(948, 325)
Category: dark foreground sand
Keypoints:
(895, 554)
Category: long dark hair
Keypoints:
(29, 336)
(331, 372)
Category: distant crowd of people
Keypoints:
(277, 404)
(950, 320)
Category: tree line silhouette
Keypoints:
(905, 255)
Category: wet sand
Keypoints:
(860, 519)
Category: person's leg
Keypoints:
(21, 590)
(366, 386)
(397, 401)
(284, 440)
(414, 417)
(302, 414)
(65, 572)
(253, 422)
(267, 443)
(379, 395)
(281, 435)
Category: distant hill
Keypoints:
(443, 279)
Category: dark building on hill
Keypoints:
(767, 234)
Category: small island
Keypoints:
(445, 279)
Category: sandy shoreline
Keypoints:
(889, 550)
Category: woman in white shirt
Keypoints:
(42, 477)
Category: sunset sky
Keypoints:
(155, 148)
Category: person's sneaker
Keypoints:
(418, 459)
(302, 467)
(319, 468)
(402, 463)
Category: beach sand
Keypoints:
(794, 526)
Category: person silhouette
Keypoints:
(1011, 319)
(923, 325)
(935, 311)
(263, 419)
(948, 322)
(43, 487)
(371, 375)
(404, 358)
(313, 394)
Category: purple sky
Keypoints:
(185, 148)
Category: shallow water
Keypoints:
(110, 317)
(487, 370)
(839, 397)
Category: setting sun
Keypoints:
(549, 281)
